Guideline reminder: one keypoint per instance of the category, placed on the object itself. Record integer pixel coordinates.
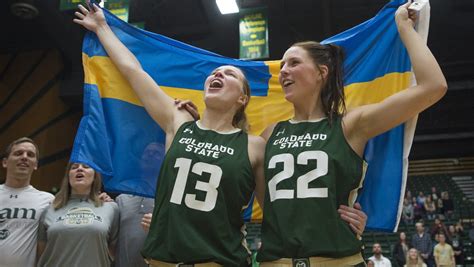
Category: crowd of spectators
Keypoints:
(433, 243)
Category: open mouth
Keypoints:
(287, 83)
(216, 84)
(23, 165)
(79, 176)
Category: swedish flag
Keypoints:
(118, 138)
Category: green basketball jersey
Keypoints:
(310, 170)
(205, 182)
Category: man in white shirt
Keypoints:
(21, 205)
(378, 259)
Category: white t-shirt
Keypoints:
(382, 262)
(20, 212)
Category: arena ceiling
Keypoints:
(445, 130)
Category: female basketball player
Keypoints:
(207, 176)
(313, 162)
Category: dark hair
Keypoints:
(62, 197)
(20, 141)
(332, 91)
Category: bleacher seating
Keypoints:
(464, 210)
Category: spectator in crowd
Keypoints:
(440, 207)
(78, 229)
(457, 244)
(414, 259)
(133, 208)
(408, 195)
(400, 249)
(378, 259)
(430, 208)
(448, 205)
(459, 228)
(131, 234)
(21, 205)
(421, 198)
(408, 213)
(421, 240)
(436, 240)
(443, 253)
(434, 194)
(438, 226)
(417, 210)
(370, 263)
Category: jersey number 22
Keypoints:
(302, 182)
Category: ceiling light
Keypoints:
(227, 6)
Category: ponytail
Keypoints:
(333, 90)
(240, 118)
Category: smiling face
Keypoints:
(413, 254)
(299, 76)
(81, 178)
(21, 162)
(225, 88)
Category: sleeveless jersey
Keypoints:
(310, 170)
(205, 182)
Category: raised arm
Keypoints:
(157, 103)
(368, 121)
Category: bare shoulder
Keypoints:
(181, 116)
(354, 130)
(256, 142)
(351, 119)
(268, 131)
(256, 148)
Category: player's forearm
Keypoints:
(427, 70)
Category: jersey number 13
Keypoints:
(209, 202)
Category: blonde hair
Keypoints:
(240, 118)
(418, 262)
(64, 194)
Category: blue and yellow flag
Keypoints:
(118, 138)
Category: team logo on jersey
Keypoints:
(4, 233)
(205, 148)
(79, 216)
(302, 140)
(187, 130)
(280, 132)
(301, 262)
(13, 196)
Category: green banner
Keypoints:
(119, 8)
(70, 4)
(254, 35)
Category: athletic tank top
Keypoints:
(205, 182)
(310, 170)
